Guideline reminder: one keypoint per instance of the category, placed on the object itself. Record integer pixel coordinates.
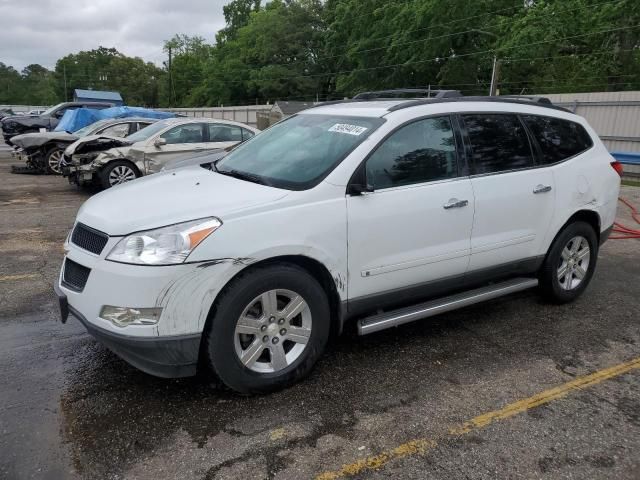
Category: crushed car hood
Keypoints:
(96, 143)
(172, 197)
(34, 140)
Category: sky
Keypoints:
(42, 31)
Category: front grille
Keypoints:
(89, 239)
(75, 276)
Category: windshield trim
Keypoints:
(300, 186)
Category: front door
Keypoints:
(415, 226)
(180, 141)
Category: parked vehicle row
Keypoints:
(107, 161)
(17, 124)
(117, 150)
(376, 211)
(44, 151)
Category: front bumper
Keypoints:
(167, 357)
(79, 174)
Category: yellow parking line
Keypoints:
(421, 445)
(22, 276)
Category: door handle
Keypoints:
(542, 189)
(455, 203)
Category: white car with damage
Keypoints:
(378, 212)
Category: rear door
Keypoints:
(514, 197)
(181, 140)
(222, 135)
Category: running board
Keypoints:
(400, 316)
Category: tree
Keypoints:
(107, 69)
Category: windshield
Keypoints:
(51, 110)
(147, 132)
(299, 152)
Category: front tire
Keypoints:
(116, 173)
(570, 263)
(268, 329)
(53, 161)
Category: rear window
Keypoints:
(499, 143)
(558, 139)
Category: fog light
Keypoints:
(123, 316)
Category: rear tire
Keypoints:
(570, 263)
(268, 329)
(116, 173)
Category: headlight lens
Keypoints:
(164, 246)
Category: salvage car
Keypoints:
(106, 161)
(379, 212)
(47, 121)
(43, 152)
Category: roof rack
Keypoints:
(407, 93)
(524, 100)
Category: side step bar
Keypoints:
(400, 316)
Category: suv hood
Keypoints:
(34, 140)
(172, 197)
(96, 143)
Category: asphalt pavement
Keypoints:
(513, 388)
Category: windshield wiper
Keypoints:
(249, 177)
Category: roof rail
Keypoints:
(538, 101)
(406, 92)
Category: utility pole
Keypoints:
(64, 70)
(170, 80)
(495, 74)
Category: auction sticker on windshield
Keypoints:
(348, 129)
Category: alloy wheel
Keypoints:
(574, 263)
(121, 174)
(56, 161)
(272, 331)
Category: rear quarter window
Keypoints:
(558, 139)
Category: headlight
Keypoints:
(163, 246)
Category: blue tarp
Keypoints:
(76, 119)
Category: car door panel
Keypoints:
(402, 237)
(181, 140)
(514, 199)
(415, 227)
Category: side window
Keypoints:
(498, 142)
(224, 133)
(422, 151)
(120, 130)
(188, 133)
(247, 134)
(558, 139)
(140, 126)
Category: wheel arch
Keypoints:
(585, 215)
(312, 266)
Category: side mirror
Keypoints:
(357, 189)
(158, 142)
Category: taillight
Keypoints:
(617, 166)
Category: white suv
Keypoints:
(381, 212)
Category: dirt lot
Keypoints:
(514, 388)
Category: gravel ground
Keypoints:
(71, 409)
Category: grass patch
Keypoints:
(631, 183)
